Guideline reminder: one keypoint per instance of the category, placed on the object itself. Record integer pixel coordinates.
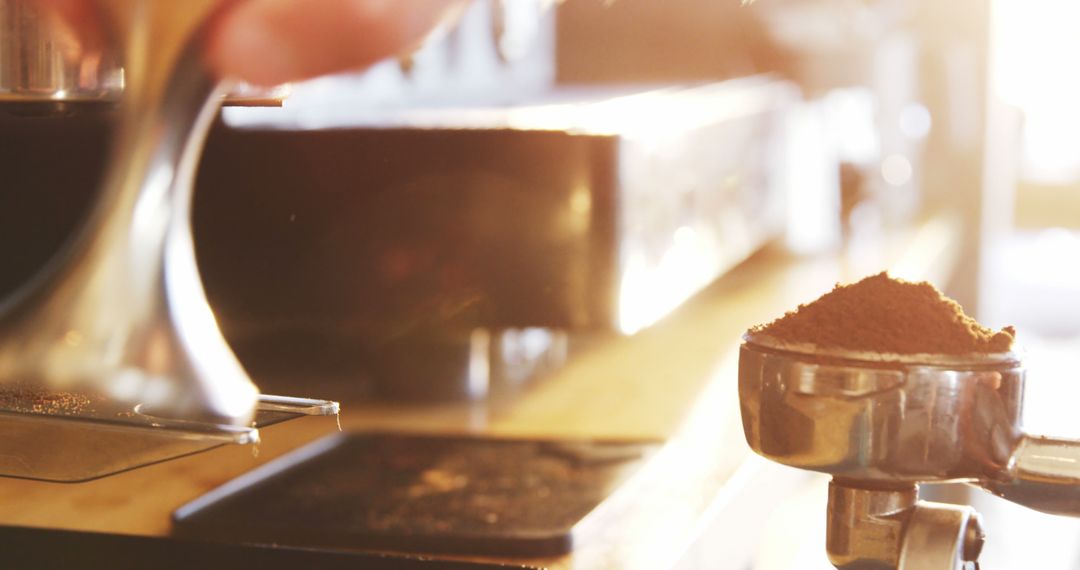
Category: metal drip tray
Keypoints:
(72, 439)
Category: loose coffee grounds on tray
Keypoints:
(36, 400)
(882, 314)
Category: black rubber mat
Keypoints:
(472, 495)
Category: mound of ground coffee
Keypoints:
(882, 314)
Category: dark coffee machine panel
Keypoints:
(324, 250)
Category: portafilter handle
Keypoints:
(1043, 473)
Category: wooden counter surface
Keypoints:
(674, 381)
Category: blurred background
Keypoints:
(959, 117)
(673, 140)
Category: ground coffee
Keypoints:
(882, 314)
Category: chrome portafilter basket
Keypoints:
(881, 424)
(118, 323)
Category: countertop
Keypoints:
(704, 494)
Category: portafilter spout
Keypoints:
(122, 311)
(881, 424)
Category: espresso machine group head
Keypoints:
(881, 424)
(120, 313)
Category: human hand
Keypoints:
(269, 42)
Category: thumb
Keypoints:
(268, 42)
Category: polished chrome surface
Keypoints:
(891, 528)
(1043, 474)
(44, 61)
(887, 422)
(866, 526)
(39, 62)
(881, 424)
(941, 536)
(122, 311)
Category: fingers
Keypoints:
(77, 24)
(267, 42)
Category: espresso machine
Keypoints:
(464, 291)
(379, 262)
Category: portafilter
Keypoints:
(881, 424)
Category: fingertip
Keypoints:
(244, 46)
(268, 42)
